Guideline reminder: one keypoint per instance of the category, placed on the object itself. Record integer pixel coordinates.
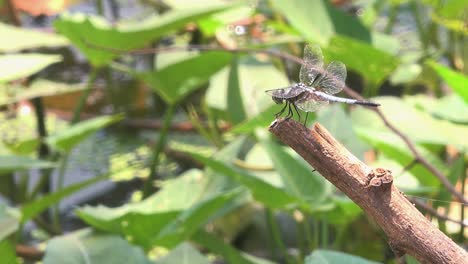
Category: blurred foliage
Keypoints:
(205, 181)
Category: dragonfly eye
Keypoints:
(277, 100)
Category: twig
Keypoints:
(417, 156)
(297, 60)
(408, 231)
(433, 212)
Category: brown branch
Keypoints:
(419, 158)
(408, 231)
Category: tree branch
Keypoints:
(408, 231)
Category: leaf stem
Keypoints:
(274, 228)
(155, 159)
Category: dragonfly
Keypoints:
(316, 88)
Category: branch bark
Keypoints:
(408, 231)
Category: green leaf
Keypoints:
(183, 254)
(375, 65)
(229, 253)
(17, 66)
(177, 80)
(9, 164)
(334, 257)
(7, 251)
(87, 247)
(412, 121)
(456, 173)
(457, 81)
(167, 217)
(311, 18)
(338, 123)
(21, 39)
(23, 147)
(9, 221)
(452, 108)
(69, 138)
(262, 191)
(297, 175)
(253, 78)
(263, 119)
(189, 221)
(235, 105)
(33, 208)
(88, 31)
(40, 88)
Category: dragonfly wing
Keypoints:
(310, 103)
(333, 81)
(286, 93)
(313, 64)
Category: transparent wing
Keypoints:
(313, 64)
(333, 81)
(310, 103)
(286, 93)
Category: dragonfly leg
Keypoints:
(282, 110)
(297, 111)
(305, 122)
(290, 112)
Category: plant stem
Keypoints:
(60, 180)
(84, 96)
(276, 234)
(168, 116)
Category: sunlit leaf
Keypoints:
(40, 88)
(17, 66)
(297, 176)
(338, 123)
(375, 65)
(9, 221)
(165, 218)
(67, 139)
(262, 191)
(457, 81)
(22, 38)
(412, 121)
(23, 147)
(334, 257)
(12, 163)
(177, 80)
(86, 246)
(183, 254)
(87, 31)
(33, 208)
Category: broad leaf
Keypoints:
(298, 177)
(183, 254)
(86, 246)
(177, 80)
(7, 251)
(17, 66)
(262, 191)
(374, 64)
(21, 38)
(9, 164)
(229, 253)
(165, 218)
(334, 257)
(457, 81)
(69, 138)
(456, 174)
(33, 208)
(92, 35)
(9, 221)
(11, 94)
